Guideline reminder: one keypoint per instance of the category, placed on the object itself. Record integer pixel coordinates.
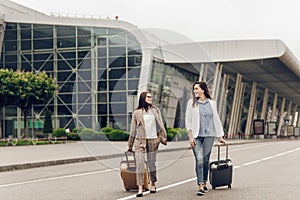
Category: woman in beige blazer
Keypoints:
(146, 132)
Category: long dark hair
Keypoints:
(204, 87)
(142, 103)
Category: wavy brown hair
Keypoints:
(142, 103)
(204, 87)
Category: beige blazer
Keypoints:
(137, 130)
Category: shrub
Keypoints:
(77, 130)
(20, 143)
(60, 132)
(101, 136)
(177, 134)
(87, 134)
(125, 136)
(48, 128)
(107, 130)
(183, 134)
(171, 132)
(73, 136)
(118, 135)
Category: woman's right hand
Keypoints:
(129, 149)
(221, 140)
(191, 139)
(192, 143)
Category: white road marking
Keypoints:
(235, 167)
(250, 163)
(158, 189)
(56, 178)
(162, 188)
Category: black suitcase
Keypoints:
(221, 171)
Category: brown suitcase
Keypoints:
(128, 172)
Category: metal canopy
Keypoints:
(268, 62)
(269, 73)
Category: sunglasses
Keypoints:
(150, 97)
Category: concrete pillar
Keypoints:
(232, 130)
(237, 120)
(55, 76)
(265, 105)
(94, 85)
(203, 72)
(273, 116)
(281, 116)
(255, 111)
(298, 119)
(289, 112)
(217, 80)
(251, 109)
(223, 97)
(19, 67)
(146, 68)
(240, 106)
(294, 110)
(215, 83)
(201, 69)
(2, 31)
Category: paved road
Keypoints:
(264, 170)
(24, 157)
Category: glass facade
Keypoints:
(171, 88)
(98, 73)
(97, 70)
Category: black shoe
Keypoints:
(200, 192)
(205, 189)
(139, 195)
(153, 191)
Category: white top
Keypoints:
(150, 125)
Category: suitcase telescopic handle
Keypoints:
(126, 156)
(220, 153)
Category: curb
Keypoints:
(70, 161)
(94, 158)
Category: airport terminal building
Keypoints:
(101, 65)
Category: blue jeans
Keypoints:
(202, 150)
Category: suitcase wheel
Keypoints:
(213, 188)
(229, 187)
(127, 190)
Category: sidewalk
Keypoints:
(24, 157)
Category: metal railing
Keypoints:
(82, 16)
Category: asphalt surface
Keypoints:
(263, 169)
(31, 156)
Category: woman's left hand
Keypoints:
(221, 140)
(163, 141)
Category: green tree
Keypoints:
(32, 89)
(48, 128)
(6, 91)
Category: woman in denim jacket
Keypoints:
(203, 125)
